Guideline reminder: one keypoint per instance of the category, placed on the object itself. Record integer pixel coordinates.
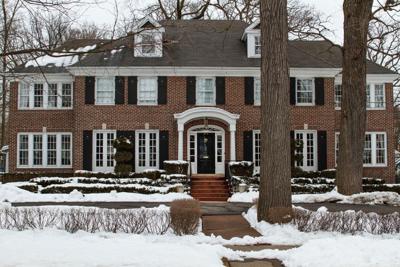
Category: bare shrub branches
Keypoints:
(346, 222)
(185, 216)
(135, 221)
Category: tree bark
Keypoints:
(274, 204)
(357, 15)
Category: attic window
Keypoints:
(148, 44)
(257, 45)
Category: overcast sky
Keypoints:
(103, 13)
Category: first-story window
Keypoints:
(257, 148)
(147, 91)
(305, 91)
(375, 149)
(257, 91)
(338, 96)
(103, 150)
(205, 91)
(147, 150)
(44, 150)
(51, 95)
(105, 91)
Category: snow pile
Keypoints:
(9, 193)
(390, 198)
(60, 59)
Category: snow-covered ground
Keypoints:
(372, 198)
(10, 193)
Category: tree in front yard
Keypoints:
(123, 156)
(274, 203)
(357, 15)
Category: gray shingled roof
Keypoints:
(208, 43)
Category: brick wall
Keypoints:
(133, 117)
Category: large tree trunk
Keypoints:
(274, 204)
(357, 15)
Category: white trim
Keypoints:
(374, 78)
(196, 71)
(44, 150)
(103, 168)
(95, 90)
(219, 166)
(146, 132)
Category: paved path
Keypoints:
(219, 208)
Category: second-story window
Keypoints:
(52, 95)
(338, 96)
(305, 92)
(375, 96)
(205, 91)
(147, 91)
(105, 91)
(257, 91)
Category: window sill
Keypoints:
(147, 104)
(368, 109)
(103, 104)
(375, 166)
(44, 167)
(43, 109)
(305, 105)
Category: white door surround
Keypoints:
(192, 148)
(211, 113)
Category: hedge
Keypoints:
(56, 189)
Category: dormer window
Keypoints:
(252, 37)
(257, 45)
(149, 38)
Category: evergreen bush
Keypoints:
(123, 156)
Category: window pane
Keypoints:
(110, 149)
(38, 95)
(304, 91)
(147, 91)
(142, 149)
(52, 95)
(380, 149)
(52, 150)
(65, 149)
(37, 150)
(369, 104)
(257, 149)
(368, 149)
(24, 95)
(192, 148)
(379, 96)
(99, 150)
(219, 148)
(148, 44)
(257, 91)
(105, 91)
(66, 97)
(299, 150)
(257, 45)
(23, 149)
(338, 95)
(152, 150)
(205, 91)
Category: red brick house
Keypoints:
(184, 90)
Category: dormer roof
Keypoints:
(148, 23)
(254, 27)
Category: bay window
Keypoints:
(105, 91)
(52, 95)
(205, 91)
(147, 90)
(44, 150)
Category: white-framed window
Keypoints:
(205, 91)
(257, 149)
(103, 150)
(147, 147)
(257, 45)
(45, 95)
(44, 150)
(338, 96)
(148, 43)
(257, 91)
(105, 91)
(305, 92)
(376, 96)
(375, 149)
(147, 91)
(309, 151)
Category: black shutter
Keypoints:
(220, 87)
(249, 90)
(292, 91)
(248, 146)
(87, 151)
(119, 90)
(89, 90)
(292, 148)
(191, 90)
(162, 90)
(131, 136)
(164, 148)
(319, 91)
(132, 90)
(322, 153)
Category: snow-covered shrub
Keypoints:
(346, 222)
(31, 187)
(46, 181)
(123, 156)
(135, 221)
(152, 174)
(185, 216)
(241, 168)
(176, 166)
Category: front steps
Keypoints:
(209, 188)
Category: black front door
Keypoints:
(205, 153)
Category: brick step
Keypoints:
(208, 190)
(207, 183)
(212, 198)
(197, 178)
(210, 195)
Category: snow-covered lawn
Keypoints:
(372, 198)
(11, 193)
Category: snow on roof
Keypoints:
(60, 59)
